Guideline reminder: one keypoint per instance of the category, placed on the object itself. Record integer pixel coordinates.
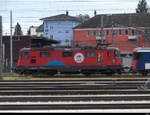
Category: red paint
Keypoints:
(105, 57)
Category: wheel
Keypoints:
(109, 74)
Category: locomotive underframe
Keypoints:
(68, 70)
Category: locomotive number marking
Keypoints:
(79, 57)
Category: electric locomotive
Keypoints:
(69, 60)
(141, 60)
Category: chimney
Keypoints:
(95, 13)
(67, 13)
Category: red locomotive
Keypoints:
(69, 60)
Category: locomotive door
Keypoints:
(100, 57)
(33, 59)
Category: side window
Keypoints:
(67, 54)
(20, 55)
(90, 54)
(117, 53)
(26, 55)
(44, 54)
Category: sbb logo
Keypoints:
(79, 57)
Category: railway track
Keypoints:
(74, 105)
(73, 95)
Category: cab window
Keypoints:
(117, 53)
(138, 56)
(26, 55)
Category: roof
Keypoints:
(142, 49)
(40, 28)
(42, 41)
(118, 20)
(62, 17)
(64, 49)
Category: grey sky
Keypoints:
(28, 12)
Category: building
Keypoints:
(128, 31)
(59, 28)
(40, 30)
(32, 30)
(124, 31)
(20, 42)
(36, 30)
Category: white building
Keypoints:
(36, 30)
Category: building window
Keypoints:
(116, 44)
(51, 27)
(114, 32)
(126, 31)
(44, 54)
(120, 32)
(130, 43)
(59, 32)
(139, 32)
(51, 36)
(67, 31)
(94, 33)
(66, 23)
(107, 32)
(46, 23)
(59, 22)
(133, 32)
(123, 44)
(46, 30)
(87, 33)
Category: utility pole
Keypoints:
(1, 48)
(11, 48)
(112, 34)
(102, 26)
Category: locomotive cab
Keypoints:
(141, 60)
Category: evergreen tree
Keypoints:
(142, 7)
(18, 30)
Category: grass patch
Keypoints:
(72, 77)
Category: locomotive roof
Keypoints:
(142, 49)
(67, 49)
